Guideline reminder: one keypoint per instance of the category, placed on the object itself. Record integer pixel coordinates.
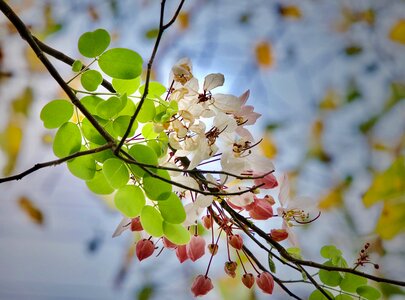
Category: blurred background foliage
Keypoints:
(327, 76)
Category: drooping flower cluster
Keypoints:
(209, 127)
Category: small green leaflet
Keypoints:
(92, 44)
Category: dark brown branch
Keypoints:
(54, 163)
(66, 59)
(162, 28)
(315, 283)
(283, 252)
(27, 36)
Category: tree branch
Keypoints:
(54, 163)
(162, 28)
(27, 36)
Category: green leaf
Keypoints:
(331, 278)
(77, 66)
(128, 86)
(90, 133)
(121, 63)
(129, 200)
(330, 251)
(152, 221)
(155, 188)
(142, 154)
(120, 125)
(158, 146)
(102, 155)
(295, 252)
(91, 102)
(147, 111)
(83, 167)
(129, 108)
(351, 282)
(111, 107)
(176, 233)
(272, 265)
(155, 89)
(368, 292)
(172, 209)
(68, 140)
(116, 172)
(148, 132)
(317, 295)
(99, 184)
(92, 44)
(55, 113)
(343, 297)
(91, 79)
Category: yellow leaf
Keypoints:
(392, 219)
(264, 55)
(330, 101)
(397, 32)
(30, 209)
(290, 12)
(34, 64)
(268, 147)
(333, 199)
(184, 20)
(389, 184)
(10, 142)
(232, 288)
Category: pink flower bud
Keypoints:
(261, 209)
(196, 247)
(235, 241)
(181, 253)
(201, 286)
(213, 248)
(248, 280)
(136, 224)
(269, 181)
(168, 244)
(144, 249)
(230, 268)
(278, 234)
(265, 282)
(207, 222)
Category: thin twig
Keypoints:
(54, 163)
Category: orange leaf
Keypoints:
(264, 55)
(268, 147)
(184, 20)
(290, 12)
(30, 209)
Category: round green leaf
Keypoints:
(92, 44)
(129, 108)
(99, 184)
(147, 111)
(55, 113)
(91, 79)
(116, 172)
(77, 66)
(143, 154)
(148, 132)
(102, 155)
(121, 63)
(368, 292)
(343, 297)
(331, 278)
(109, 108)
(155, 89)
(176, 233)
(317, 295)
(330, 251)
(90, 133)
(158, 146)
(129, 200)
(172, 209)
(128, 86)
(120, 126)
(83, 167)
(155, 188)
(90, 103)
(351, 282)
(68, 140)
(152, 221)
